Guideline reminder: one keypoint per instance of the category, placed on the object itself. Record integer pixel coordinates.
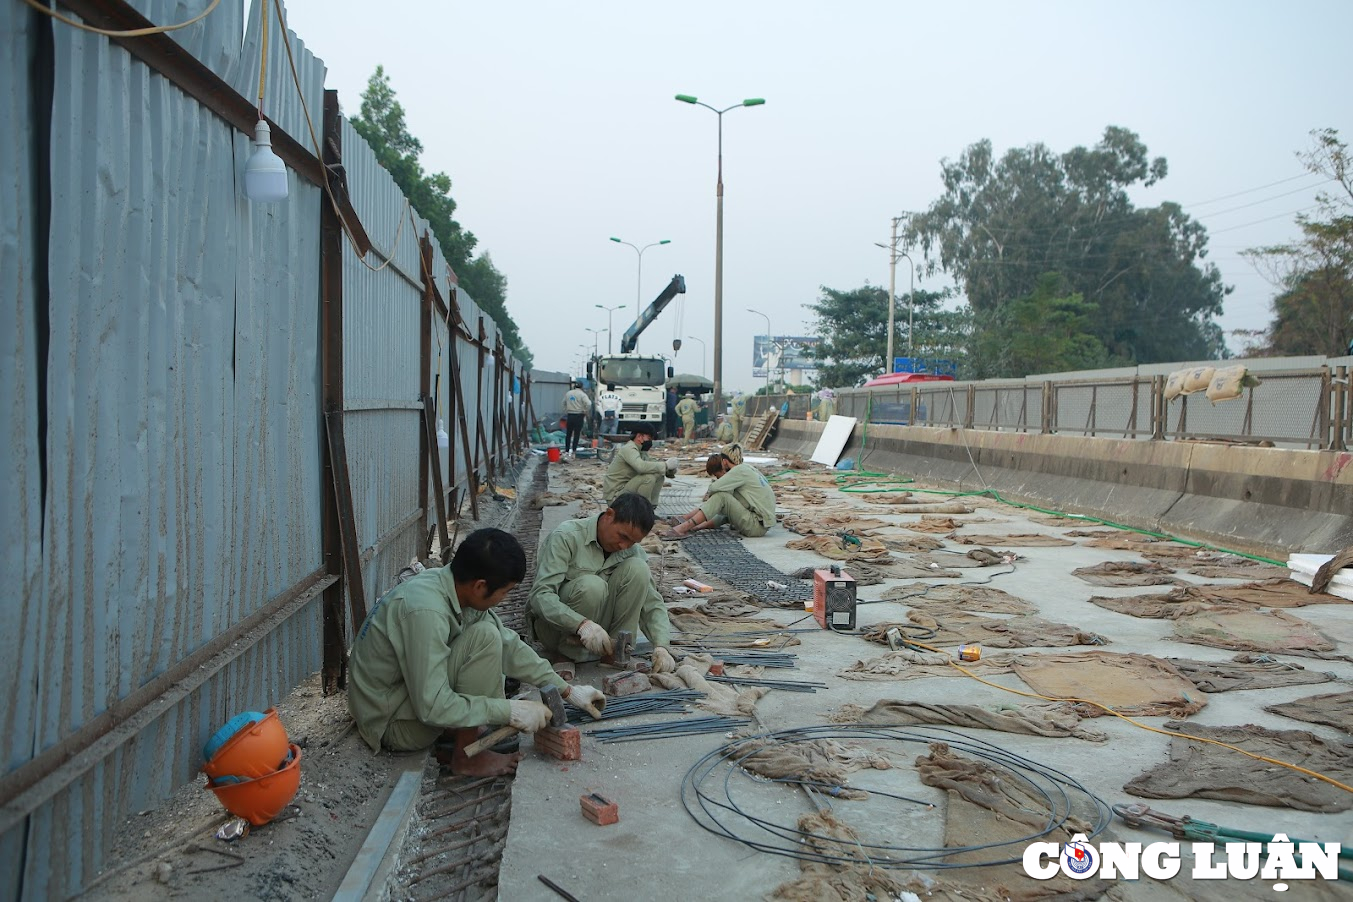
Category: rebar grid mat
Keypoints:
(722, 554)
(457, 844)
(676, 499)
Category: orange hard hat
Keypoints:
(250, 745)
(261, 799)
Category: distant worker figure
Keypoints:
(740, 497)
(724, 433)
(576, 406)
(826, 405)
(671, 420)
(632, 470)
(739, 411)
(610, 412)
(686, 409)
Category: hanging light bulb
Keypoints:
(265, 175)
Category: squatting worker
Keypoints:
(724, 432)
(687, 409)
(429, 661)
(632, 470)
(576, 406)
(592, 580)
(739, 411)
(740, 496)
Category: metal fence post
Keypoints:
(1343, 407)
(971, 402)
(1047, 418)
(1158, 408)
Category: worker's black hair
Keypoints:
(633, 509)
(644, 428)
(492, 555)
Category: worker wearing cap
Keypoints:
(592, 581)
(739, 411)
(826, 405)
(428, 664)
(740, 496)
(687, 409)
(576, 406)
(632, 470)
(724, 433)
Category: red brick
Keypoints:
(619, 685)
(562, 743)
(599, 810)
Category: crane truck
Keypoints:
(634, 383)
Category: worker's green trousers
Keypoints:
(724, 507)
(613, 604)
(474, 667)
(647, 484)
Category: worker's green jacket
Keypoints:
(751, 488)
(628, 463)
(687, 408)
(401, 653)
(572, 551)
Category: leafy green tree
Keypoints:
(1047, 331)
(1002, 224)
(1313, 314)
(853, 332)
(383, 126)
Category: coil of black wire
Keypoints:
(708, 795)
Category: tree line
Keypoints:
(1060, 271)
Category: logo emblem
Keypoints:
(1079, 858)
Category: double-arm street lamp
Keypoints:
(609, 324)
(893, 256)
(639, 280)
(718, 244)
(702, 351)
(595, 333)
(770, 343)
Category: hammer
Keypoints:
(558, 718)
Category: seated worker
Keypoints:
(592, 581)
(740, 497)
(632, 470)
(428, 664)
(723, 434)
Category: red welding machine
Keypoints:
(834, 599)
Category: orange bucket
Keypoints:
(552, 454)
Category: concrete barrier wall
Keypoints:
(1269, 501)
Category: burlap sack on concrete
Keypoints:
(1247, 671)
(697, 628)
(915, 665)
(908, 544)
(1055, 519)
(1131, 684)
(977, 557)
(1162, 606)
(863, 574)
(938, 524)
(1334, 710)
(986, 805)
(720, 698)
(814, 524)
(1267, 593)
(1013, 540)
(868, 550)
(1125, 540)
(960, 598)
(812, 761)
(1205, 771)
(1274, 632)
(1052, 719)
(1241, 570)
(959, 627)
(854, 880)
(1127, 573)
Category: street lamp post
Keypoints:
(893, 256)
(769, 344)
(639, 280)
(702, 351)
(609, 331)
(718, 244)
(595, 333)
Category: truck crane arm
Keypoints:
(631, 337)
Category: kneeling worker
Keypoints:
(632, 470)
(429, 661)
(592, 581)
(740, 497)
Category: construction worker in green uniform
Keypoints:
(428, 664)
(826, 405)
(724, 432)
(740, 497)
(632, 470)
(592, 580)
(687, 408)
(739, 411)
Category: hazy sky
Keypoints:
(558, 126)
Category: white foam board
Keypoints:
(833, 440)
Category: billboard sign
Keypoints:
(787, 353)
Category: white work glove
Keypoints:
(672, 464)
(663, 662)
(528, 716)
(587, 698)
(594, 638)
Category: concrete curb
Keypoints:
(371, 869)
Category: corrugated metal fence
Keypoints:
(214, 406)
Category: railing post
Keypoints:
(1343, 406)
(971, 401)
(1323, 411)
(1158, 408)
(1049, 417)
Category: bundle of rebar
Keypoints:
(666, 729)
(786, 685)
(666, 702)
(773, 659)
